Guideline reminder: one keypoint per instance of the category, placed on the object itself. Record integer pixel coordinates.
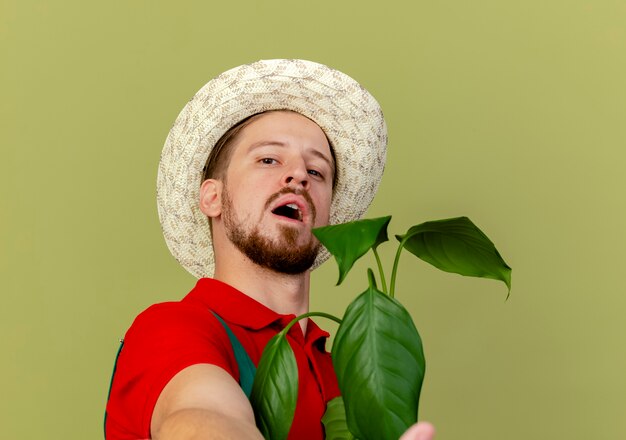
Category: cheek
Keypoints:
(323, 211)
(244, 199)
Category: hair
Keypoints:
(219, 158)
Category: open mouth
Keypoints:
(289, 210)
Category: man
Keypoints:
(265, 152)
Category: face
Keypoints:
(278, 186)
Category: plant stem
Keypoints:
(394, 271)
(380, 270)
(306, 315)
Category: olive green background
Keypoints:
(512, 113)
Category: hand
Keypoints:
(419, 431)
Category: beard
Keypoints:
(282, 255)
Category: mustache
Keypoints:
(299, 192)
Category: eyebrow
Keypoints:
(283, 144)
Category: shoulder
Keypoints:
(163, 318)
(175, 332)
(162, 341)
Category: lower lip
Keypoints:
(287, 219)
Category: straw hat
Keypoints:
(345, 111)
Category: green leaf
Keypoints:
(457, 245)
(380, 365)
(275, 389)
(348, 242)
(334, 421)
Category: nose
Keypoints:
(297, 176)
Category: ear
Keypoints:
(211, 198)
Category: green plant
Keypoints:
(377, 352)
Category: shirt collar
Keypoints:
(237, 307)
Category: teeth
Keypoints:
(293, 206)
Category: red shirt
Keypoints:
(168, 337)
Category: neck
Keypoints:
(283, 293)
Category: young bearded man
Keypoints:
(260, 156)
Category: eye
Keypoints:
(268, 161)
(315, 173)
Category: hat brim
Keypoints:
(350, 117)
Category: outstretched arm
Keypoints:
(203, 402)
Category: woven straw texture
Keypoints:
(348, 114)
